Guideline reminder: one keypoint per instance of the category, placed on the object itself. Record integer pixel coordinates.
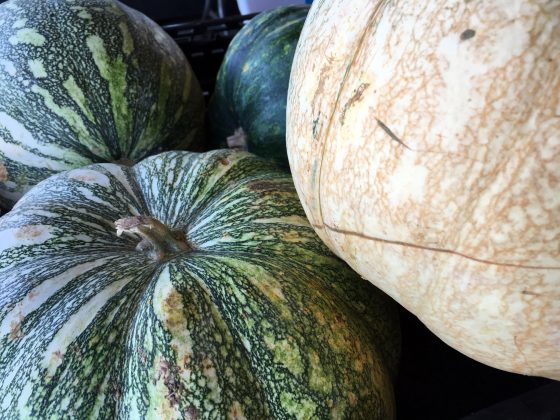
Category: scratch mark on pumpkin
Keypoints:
(391, 134)
(356, 97)
(433, 249)
(528, 292)
(315, 127)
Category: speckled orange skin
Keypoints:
(424, 139)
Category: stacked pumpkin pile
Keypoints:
(139, 280)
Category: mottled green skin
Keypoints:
(252, 85)
(88, 81)
(259, 320)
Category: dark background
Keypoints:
(164, 10)
(435, 381)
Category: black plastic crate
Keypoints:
(205, 43)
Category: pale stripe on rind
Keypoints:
(22, 151)
(76, 324)
(78, 96)
(44, 291)
(76, 123)
(114, 72)
(26, 236)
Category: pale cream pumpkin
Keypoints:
(424, 140)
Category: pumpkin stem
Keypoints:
(158, 241)
(238, 140)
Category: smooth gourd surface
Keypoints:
(258, 320)
(424, 141)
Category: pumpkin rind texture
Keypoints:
(424, 141)
(252, 83)
(259, 320)
(84, 82)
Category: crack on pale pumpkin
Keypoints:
(370, 24)
(315, 127)
(356, 97)
(390, 133)
(142, 356)
(434, 249)
(530, 293)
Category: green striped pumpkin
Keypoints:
(230, 307)
(87, 81)
(248, 106)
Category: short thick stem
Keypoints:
(158, 240)
(238, 140)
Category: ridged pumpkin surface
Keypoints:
(424, 141)
(259, 320)
(87, 81)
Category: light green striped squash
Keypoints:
(87, 81)
(230, 307)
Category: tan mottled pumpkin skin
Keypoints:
(424, 139)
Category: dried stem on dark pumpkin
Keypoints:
(238, 140)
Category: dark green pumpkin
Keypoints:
(87, 81)
(249, 101)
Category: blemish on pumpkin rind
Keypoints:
(3, 173)
(30, 231)
(297, 406)
(320, 379)
(15, 329)
(467, 34)
(356, 97)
